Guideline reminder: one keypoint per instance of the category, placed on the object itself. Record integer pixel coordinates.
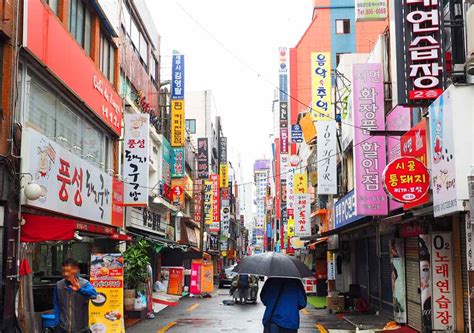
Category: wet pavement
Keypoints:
(194, 315)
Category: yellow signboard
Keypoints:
(308, 128)
(207, 277)
(177, 123)
(189, 185)
(321, 86)
(300, 183)
(106, 310)
(208, 213)
(291, 227)
(224, 175)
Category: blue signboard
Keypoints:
(177, 82)
(344, 211)
(269, 230)
(283, 88)
(296, 133)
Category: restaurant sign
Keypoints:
(406, 179)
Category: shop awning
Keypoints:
(151, 237)
(312, 246)
(39, 229)
(159, 200)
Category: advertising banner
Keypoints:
(371, 10)
(136, 159)
(106, 310)
(369, 151)
(177, 123)
(198, 200)
(177, 162)
(397, 258)
(443, 285)
(69, 184)
(300, 183)
(284, 141)
(177, 83)
(290, 191)
(207, 277)
(426, 286)
(417, 34)
(216, 204)
(302, 215)
(177, 192)
(327, 157)
(195, 286)
(406, 179)
(175, 282)
(225, 221)
(117, 203)
(223, 150)
(208, 206)
(321, 85)
(414, 144)
(399, 119)
(203, 158)
(224, 175)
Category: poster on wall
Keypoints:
(369, 151)
(136, 159)
(424, 245)
(443, 286)
(397, 258)
(327, 157)
(106, 310)
(195, 287)
(69, 184)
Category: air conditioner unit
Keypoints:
(470, 30)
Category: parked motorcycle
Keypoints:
(244, 289)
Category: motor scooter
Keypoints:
(244, 292)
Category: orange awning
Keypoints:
(312, 246)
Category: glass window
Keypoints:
(53, 4)
(143, 50)
(134, 34)
(126, 19)
(191, 126)
(106, 57)
(50, 115)
(343, 26)
(153, 67)
(80, 18)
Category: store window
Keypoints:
(343, 26)
(80, 23)
(51, 115)
(106, 57)
(53, 4)
(191, 126)
(153, 67)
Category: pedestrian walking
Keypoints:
(71, 300)
(283, 299)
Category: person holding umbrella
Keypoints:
(283, 293)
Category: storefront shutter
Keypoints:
(373, 272)
(412, 264)
(386, 270)
(361, 266)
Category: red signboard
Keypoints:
(406, 179)
(414, 144)
(50, 42)
(117, 203)
(216, 209)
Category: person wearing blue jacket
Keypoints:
(283, 299)
(71, 300)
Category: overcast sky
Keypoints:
(252, 30)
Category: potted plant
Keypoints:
(135, 273)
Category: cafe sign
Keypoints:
(406, 179)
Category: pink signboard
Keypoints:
(399, 119)
(369, 151)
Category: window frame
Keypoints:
(346, 23)
(188, 122)
(107, 56)
(85, 15)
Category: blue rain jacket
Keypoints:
(292, 300)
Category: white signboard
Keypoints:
(443, 312)
(370, 10)
(284, 164)
(69, 184)
(136, 159)
(302, 215)
(450, 118)
(326, 154)
(225, 221)
(290, 191)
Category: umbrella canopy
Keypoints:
(273, 264)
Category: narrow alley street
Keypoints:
(211, 315)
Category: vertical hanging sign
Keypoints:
(136, 159)
(443, 284)
(216, 210)
(369, 151)
(177, 82)
(321, 86)
(424, 243)
(327, 152)
(207, 202)
(177, 162)
(203, 159)
(302, 215)
(177, 101)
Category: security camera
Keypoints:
(78, 237)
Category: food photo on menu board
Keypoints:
(106, 310)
